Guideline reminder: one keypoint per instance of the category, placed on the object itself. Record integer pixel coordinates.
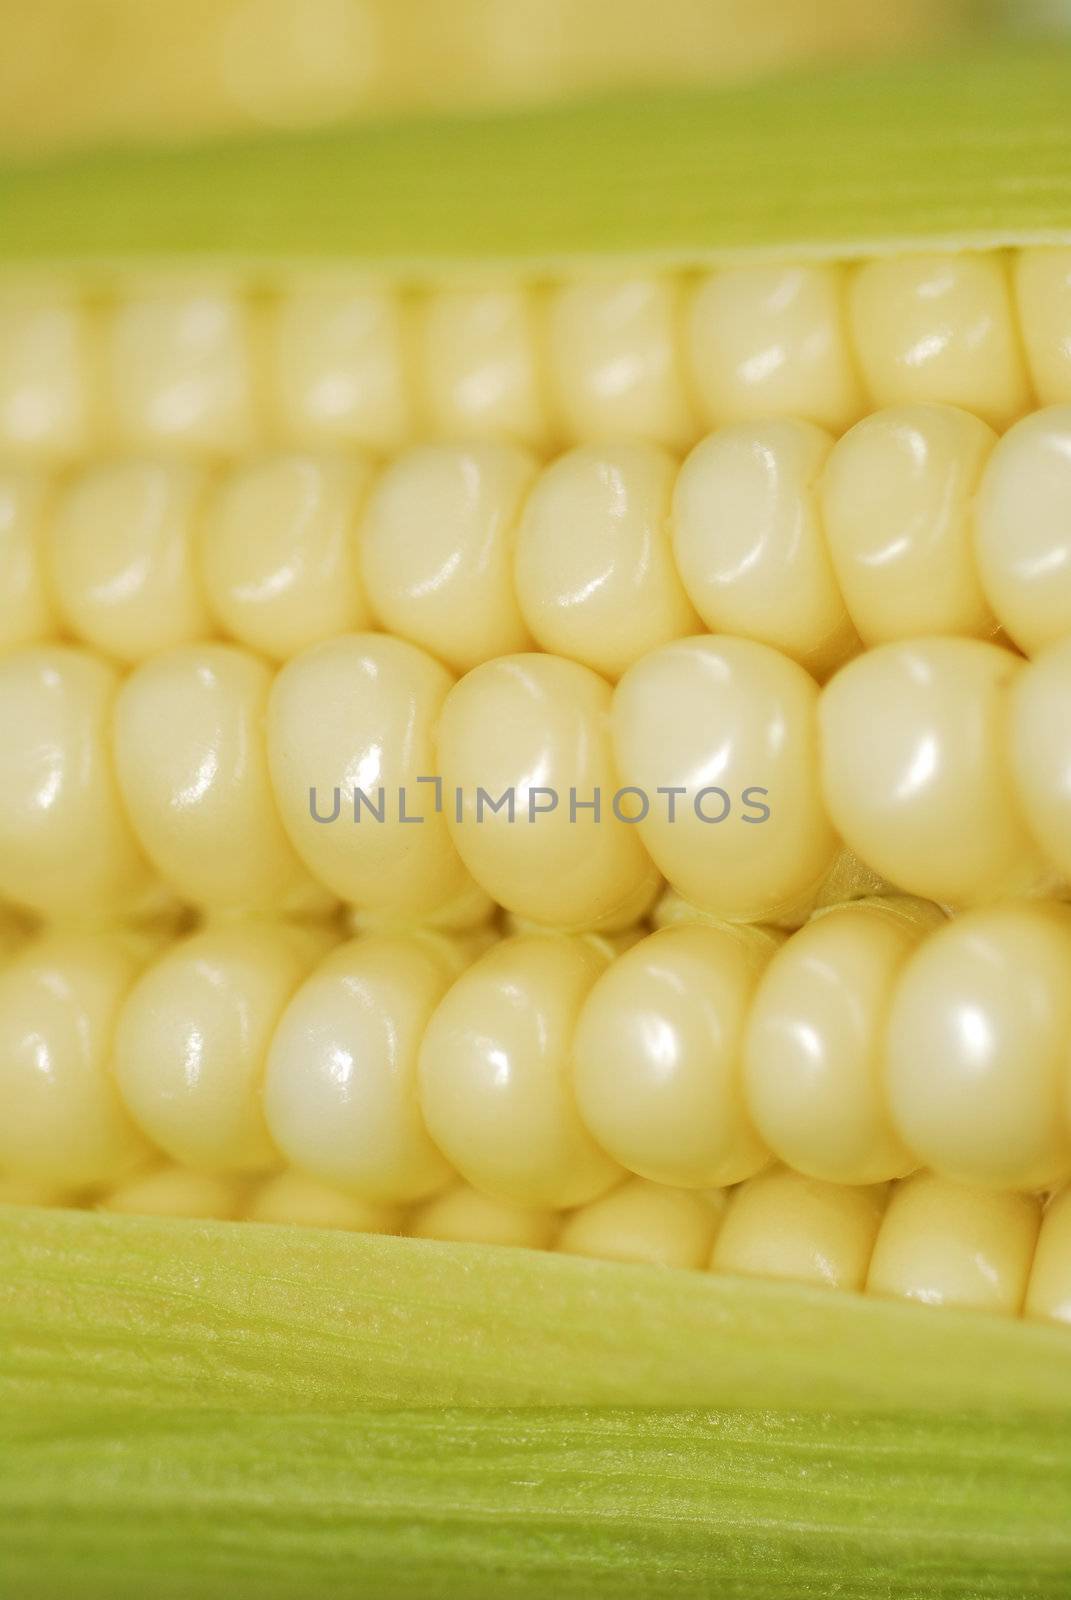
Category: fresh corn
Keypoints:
(207, 369)
(918, 520)
(941, 763)
(255, 402)
(546, 1067)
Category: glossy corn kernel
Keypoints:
(463, 1215)
(946, 1245)
(279, 553)
(783, 1225)
(644, 1222)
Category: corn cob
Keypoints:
(208, 369)
(172, 287)
(870, 1043)
(916, 521)
(941, 763)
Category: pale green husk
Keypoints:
(124, 1311)
(547, 1505)
(230, 1410)
(973, 151)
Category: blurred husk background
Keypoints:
(79, 72)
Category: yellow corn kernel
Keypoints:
(279, 555)
(122, 555)
(644, 1222)
(59, 1000)
(944, 1244)
(494, 1074)
(897, 496)
(339, 368)
(292, 1199)
(182, 368)
(49, 382)
(176, 1192)
(480, 364)
(783, 1225)
(66, 846)
(437, 546)
(615, 361)
(594, 571)
(749, 542)
(657, 1056)
(340, 1083)
(772, 341)
(940, 327)
(192, 1039)
(463, 1215)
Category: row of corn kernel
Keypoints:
(205, 367)
(917, 521)
(363, 772)
(929, 1240)
(543, 1067)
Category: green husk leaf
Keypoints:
(122, 1311)
(973, 151)
(551, 1505)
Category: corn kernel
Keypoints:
(646, 1223)
(749, 543)
(729, 725)
(507, 724)
(192, 1040)
(594, 568)
(915, 772)
(945, 1244)
(122, 557)
(65, 1123)
(340, 1095)
(183, 370)
(615, 362)
(293, 1200)
(66, 847)
(939, 328)
(782, 1225)
(340, 368)
(896, 498)
(479, 365)
(176, 1192)
(494, 1074)
(190, 757)
(356, 717)
(657, 1056)
(813, 1046)
(48, 377)
(462, 1215)
(279, 554)
(437, 545)
(977, 1048)
(771, 341)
